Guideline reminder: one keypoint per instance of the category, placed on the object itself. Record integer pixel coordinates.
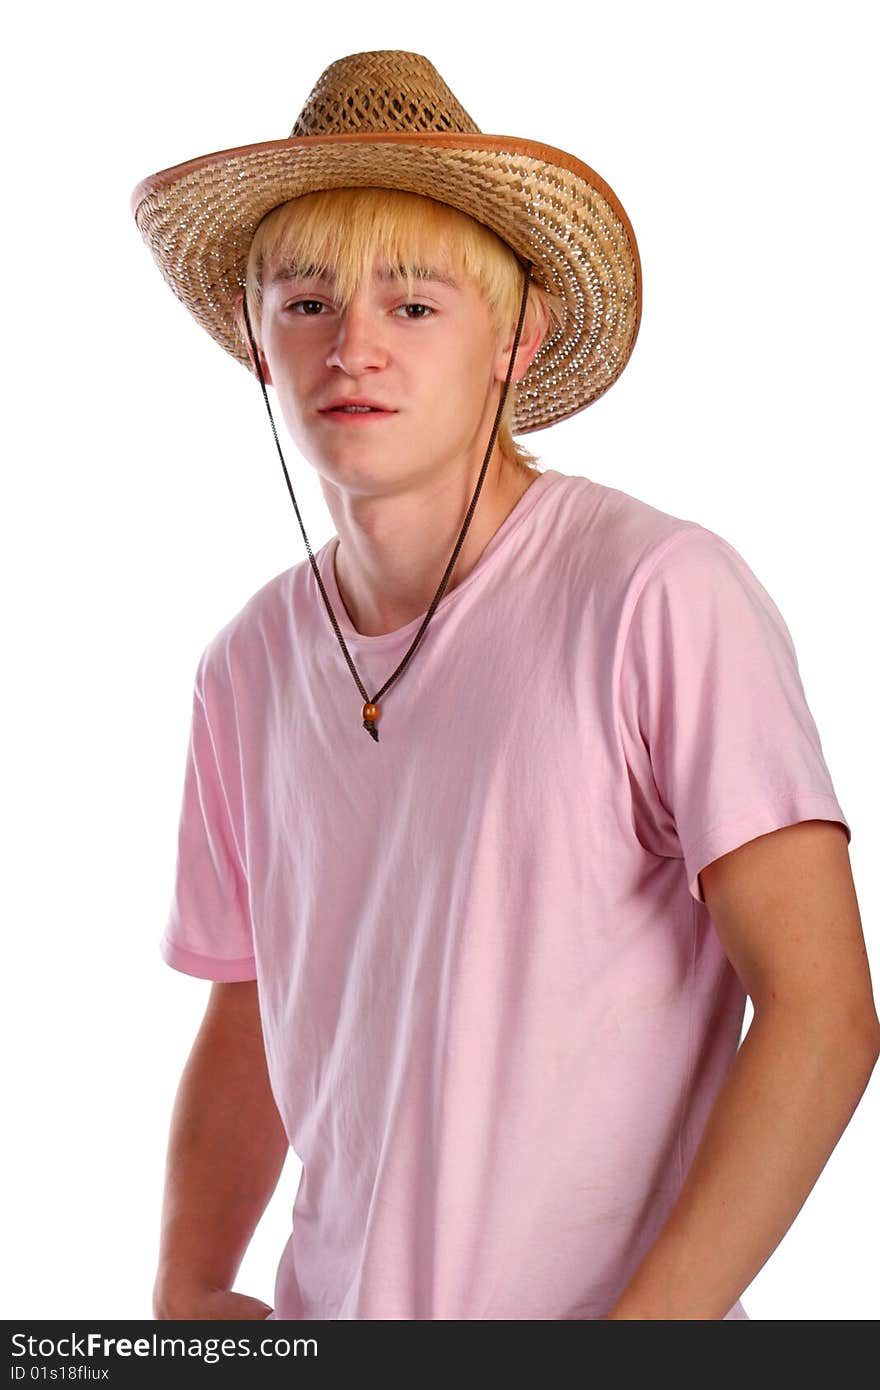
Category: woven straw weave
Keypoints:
(387, 119)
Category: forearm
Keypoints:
(784, 1104)
(226, 1149)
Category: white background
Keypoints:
(144, 503)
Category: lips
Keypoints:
(355, 407)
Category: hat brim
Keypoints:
(199, 218)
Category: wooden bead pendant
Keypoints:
(371, 714)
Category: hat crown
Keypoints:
(386, 90)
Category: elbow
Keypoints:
(872, 1036)
(865, 1029)
(851, 1033)
(861, 1042)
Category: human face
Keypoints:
(431, 361)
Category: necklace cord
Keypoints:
(368, 723)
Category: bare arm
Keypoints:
(226, 1149)
(785, 908)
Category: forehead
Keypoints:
(434, 270)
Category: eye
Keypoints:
(307, 305)
(426, 307)
(297, 304)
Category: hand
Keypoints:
(210, 1305)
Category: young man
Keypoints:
(484, 970)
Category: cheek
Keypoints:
(463, 367)
(293, 373)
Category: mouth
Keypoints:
(356, 415)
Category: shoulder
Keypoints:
(625, 557)
(255, 636)
(621, 538)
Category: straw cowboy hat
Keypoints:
(387, 119)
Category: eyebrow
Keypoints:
(290, 270)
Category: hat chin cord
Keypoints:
(371, 710)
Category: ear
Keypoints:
(535, 325)
(242, 328)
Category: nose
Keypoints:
(358, 343)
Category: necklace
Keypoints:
(371, 709)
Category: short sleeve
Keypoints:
(719, 742)
(208, 932)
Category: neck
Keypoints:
(394, 546)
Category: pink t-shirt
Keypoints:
(496, 1011)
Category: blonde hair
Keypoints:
(340, 231)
